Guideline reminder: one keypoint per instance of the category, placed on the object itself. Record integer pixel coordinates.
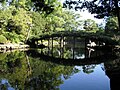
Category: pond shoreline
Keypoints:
(10, 46)
(14, 46)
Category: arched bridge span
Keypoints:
(61, 38)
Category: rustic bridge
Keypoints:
(61, 38)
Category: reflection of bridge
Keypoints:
(111, 65)
(101, 42)
(85, 61)
(61, 37)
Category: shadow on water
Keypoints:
(84, 61)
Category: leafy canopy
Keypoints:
(100, 7)
(15, 23)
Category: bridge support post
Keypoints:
(63, 47)
(85, 47)
(73, 47)
(37, 43)
(48, 46)
(60, 46)
(41, 42)
(52, 46)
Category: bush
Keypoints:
(3, 56)
(3, 39)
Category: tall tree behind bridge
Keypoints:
(42, 6)
(111, 25)
(103, 8)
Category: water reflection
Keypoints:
(27, 70)
(5, 85)
(75, 50)
(96, 80)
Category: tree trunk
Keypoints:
(28, 34)
(118, 13)
(118, 19)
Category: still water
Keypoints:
(42, 70)
(97, 80)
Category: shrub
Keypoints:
(2, 56)
(3, 39)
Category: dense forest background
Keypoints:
(24, 19)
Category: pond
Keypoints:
(59, 69)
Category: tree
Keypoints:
(2, 39)
(46, 6)
(60, 20)
(72, 21)
(90, 25)
(103, 8)
(38, 22)
(54, 21)
(15, 23)
(111, 25)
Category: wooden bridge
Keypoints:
(61, 38)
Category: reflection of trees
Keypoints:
(113, 64)
(47, 76)
(112, 69)
(79, 53)
(14, 68)
(23, 72)
(88, 68)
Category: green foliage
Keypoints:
(90, 25)
(5, 15)
(21, 70)
(22, 20)
(3, 39)
(13, 37)
(43, 6)
(18, 25)
(111, 25)
(101, 28)
(54, 21)
(100, 7)
(71, 20)
(38, 22)
(62, 20)
(16, 22)
(2, 56)
(14, 68)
